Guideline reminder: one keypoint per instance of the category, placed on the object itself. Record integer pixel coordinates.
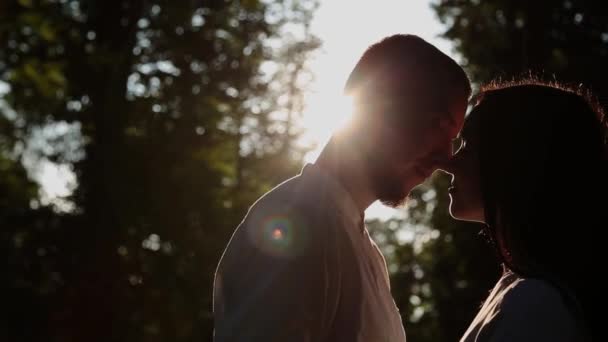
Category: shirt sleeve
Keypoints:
(277, 281)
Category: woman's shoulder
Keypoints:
(534, 295)
(524, 309)
(535, 309)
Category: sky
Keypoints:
(347, 28)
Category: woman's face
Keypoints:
(465, 191)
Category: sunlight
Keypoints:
(345, 36)
(57, 181)
(327, 113)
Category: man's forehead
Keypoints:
(455, 116)
(454, 123)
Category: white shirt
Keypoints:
(524, 309)
(302, 267)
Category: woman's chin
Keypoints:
(462, 214)
(456, 214)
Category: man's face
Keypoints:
(410, 154)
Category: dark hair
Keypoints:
(405, 64)
(544, 172)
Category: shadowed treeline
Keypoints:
(171, 130)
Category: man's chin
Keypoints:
(396, 198)
(394, 201)
(393, 204)
(394, 190)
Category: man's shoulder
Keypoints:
(285, 221)
(281, 197)
(302, 195)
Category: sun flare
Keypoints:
(326, 114)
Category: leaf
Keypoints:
(29, 18)
(47, 32)
(26, 3)
(55, 75)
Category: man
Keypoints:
(301, 266)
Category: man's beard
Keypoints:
(387, 186)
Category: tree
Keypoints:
(177, 121)
(566, 40)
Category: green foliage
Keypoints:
(566, 40)
(175, 128)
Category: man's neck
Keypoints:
(339, 159)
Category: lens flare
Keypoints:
(279, 236)
(278, 232)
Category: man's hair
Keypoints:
(402, 65)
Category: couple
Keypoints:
(531, 166)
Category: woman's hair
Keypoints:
(544, 180)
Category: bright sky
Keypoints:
(347, 28)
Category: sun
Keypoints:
(326, 113)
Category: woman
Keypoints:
(533, 167)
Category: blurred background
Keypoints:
(134, 135)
